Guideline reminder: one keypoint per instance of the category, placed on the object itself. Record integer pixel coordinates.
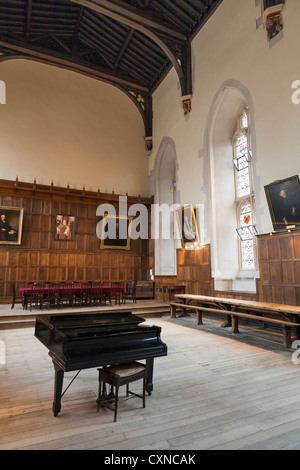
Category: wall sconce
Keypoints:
(247, 232)
(243, 162)
(174, 184)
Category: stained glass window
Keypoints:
(241, 156)
(244, 119)
(246, 235)
(247, 251)
(243, 191)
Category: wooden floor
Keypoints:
(213, 391)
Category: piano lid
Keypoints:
(105, 319)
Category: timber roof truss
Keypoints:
(130, 44)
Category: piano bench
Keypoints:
(116, 376)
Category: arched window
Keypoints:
(244, 194)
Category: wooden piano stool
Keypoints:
(116, 376)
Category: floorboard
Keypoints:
(214, 390)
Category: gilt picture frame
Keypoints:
(187, 226)
(284, 203)
(115, 232)
(65, 226)
(11, 225)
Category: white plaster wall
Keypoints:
(61, 126)
(229, 47)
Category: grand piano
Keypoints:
(87, 340)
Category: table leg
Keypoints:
(235, 324)
(227, 323)
(199, 317)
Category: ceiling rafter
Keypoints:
(124, 47)
(76, 31)
(135, 19)
(28, 18)
(56, 58)
(129, 44)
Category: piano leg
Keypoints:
(149, 378)
(58, 383)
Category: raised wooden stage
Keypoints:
(19, 318)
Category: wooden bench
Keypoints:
(233, 318)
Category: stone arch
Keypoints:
(164, 184)
(230, 98)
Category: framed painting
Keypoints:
(187, 225)
(64, 227)
(284, 203)
(11, 223)
(115, 233)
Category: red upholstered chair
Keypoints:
(53, 296)
(67, 294)
(85, 294)
(36, 296)
(115, 292)
(130, 292)
(17, 299)
(97, 293)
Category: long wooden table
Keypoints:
(286, 316)
(77, 290)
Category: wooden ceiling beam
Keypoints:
(76, 31)
(61, 60)
(136, 19)
(135, 14)
(124, 47)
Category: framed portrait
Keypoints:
(11, 223)
(64, 227)
(187, 225)
(284, 203)
(115, 233)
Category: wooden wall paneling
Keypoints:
(265, 272)
(6, 201)
(42, 258)
(45, 241)
(286, 248)
(296, 247)
(35, 240)
(290, 295)
(193, 271)
(297, 271)
(277, 294)
(288, 272)
(276, 276)
(279, 261)
(273, 248)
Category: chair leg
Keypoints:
(144, 392)
(116, 403)
(99, 396)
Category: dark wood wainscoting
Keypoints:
(193, 271)
(41, 258)
(279, 264)
(279, 267)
